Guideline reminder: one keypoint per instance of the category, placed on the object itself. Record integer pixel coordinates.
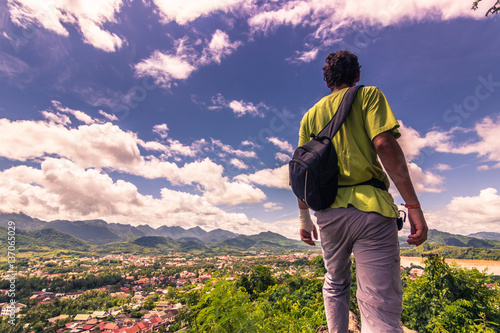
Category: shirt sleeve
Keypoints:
(379, 116)
(304, 132)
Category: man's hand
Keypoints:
(306, 236)
(307, 227)
(418, 227)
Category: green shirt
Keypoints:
(370, 115)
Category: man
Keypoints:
(363, 218)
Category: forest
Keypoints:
(269, 297)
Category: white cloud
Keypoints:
(239, 108)
(219, 47)
(187, 11)
(425, 181)
(250, 144)
(330, 19)
(238, 164)
(79, 115)
(110, 117)
(61, 189)
(272, 206)
(164, 68)
(56, 118)
(167, 67)
(487, 145)
(281, 144)
(106, 146)
(304, 56)
(89, 17)
(413, 143)
(277, 178)
(161, 130)
(468, 214)
(230, 150)
(285, 158)
(443, 167)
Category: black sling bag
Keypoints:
(314, 170)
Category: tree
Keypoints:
(451, 299)
(493, 10)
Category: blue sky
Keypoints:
(185, 113)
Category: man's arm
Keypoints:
(307, 228)
(394, 162)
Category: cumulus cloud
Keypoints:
(56, 118)
(443, 167)
(110, 117)
(413, 143)
(283, 145)
(425, 181)
(88, 17)
(330, 19)
(168, 67)
(219, 47)
(60, 189)
(106, 146)
(277, 178)
(272, 206)
(79, 115)
(161, 130)
(187, 11)
(164, 68)
(238, 164)
(282, 157)
(304, 56)
(486, 145)
(239, 108)
(227, 149)
(467, 214)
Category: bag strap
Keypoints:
(373, 182)
(339, 117)
(336, 122)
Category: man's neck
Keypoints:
(342, 86)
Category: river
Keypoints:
(481, 265)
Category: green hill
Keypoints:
(44, 240)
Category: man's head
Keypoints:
(342, 67)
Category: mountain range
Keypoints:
(101, 237)
(101, 232)
(33, 234)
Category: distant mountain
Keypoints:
(45, 240)
(94, 231)
(486, 235)
(115, 237)
(217, 236)
(436, 236)
(22, 220)
(100, 232)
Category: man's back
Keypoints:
(370, 115)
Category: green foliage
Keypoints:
(294, 306)
(452, 252)
(450, 299)
(259, 280)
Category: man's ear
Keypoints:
(358, 77)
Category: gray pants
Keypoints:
(374, 240)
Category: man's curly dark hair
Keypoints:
(341, 67)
